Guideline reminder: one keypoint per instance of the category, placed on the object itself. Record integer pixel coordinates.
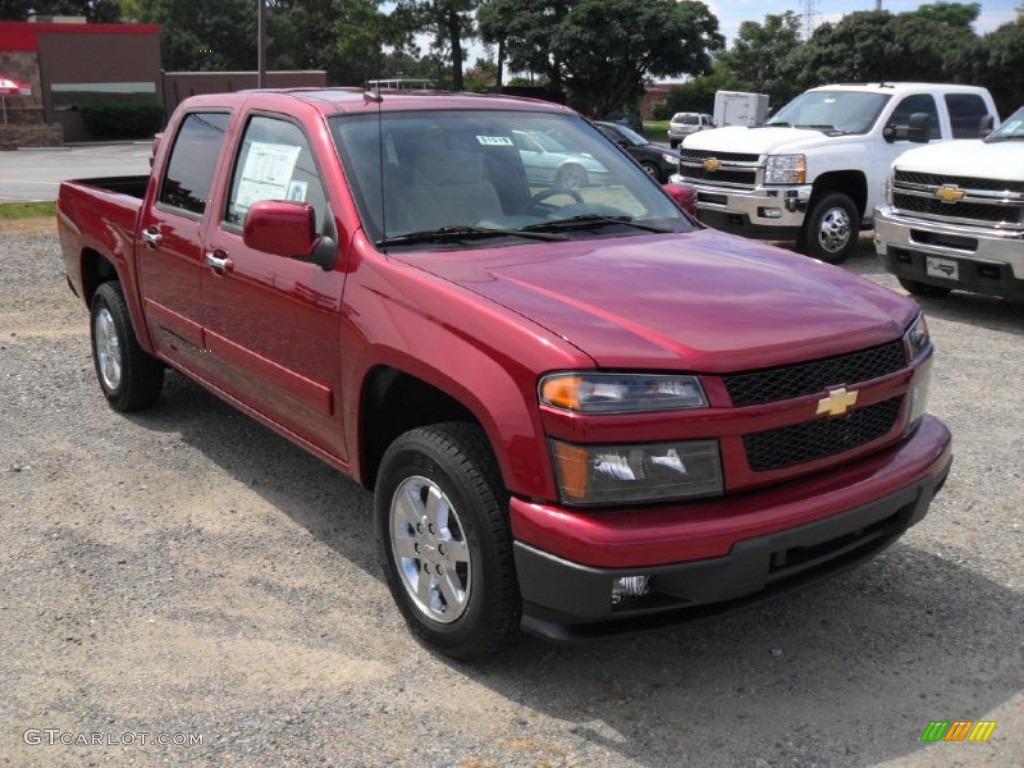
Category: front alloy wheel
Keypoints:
(430, 550)
(440, 511)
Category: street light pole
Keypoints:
(261, 44)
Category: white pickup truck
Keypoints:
(815, 171)
(955, 216)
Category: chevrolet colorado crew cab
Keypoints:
(580, 411)
(815, 171)
(954, 217)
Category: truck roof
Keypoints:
(354, 100)
(899, 89)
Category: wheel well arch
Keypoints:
(96, 270)
(393, 401)
(854, 184)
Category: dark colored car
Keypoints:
(658, 161)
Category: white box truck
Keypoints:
(739, 108)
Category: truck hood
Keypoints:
(703, 301)
(974, 159)
(760, 141)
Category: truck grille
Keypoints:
(992, 212)
(700, 155)
(734, 168)
(964, 182)
(800, 443)
(790, 381)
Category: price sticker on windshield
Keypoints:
(495, 141)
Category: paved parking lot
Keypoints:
(36, 174)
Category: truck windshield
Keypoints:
(475, 178)
(1012, 128)
(842, 111)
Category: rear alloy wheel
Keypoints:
(131, 379)
(444, 542)
(923, 289)
(832, 229)
(571, 177)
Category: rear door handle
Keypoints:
(219, 261)
(152, 237)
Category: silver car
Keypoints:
(685, 123)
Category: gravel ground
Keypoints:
(188, 575)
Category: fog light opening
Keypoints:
(770, 213)
(629, 588)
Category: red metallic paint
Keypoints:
(281, 228)
(625, 538)
(483, 324)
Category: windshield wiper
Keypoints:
(455, 234)
(587, 220)
(778, 124)
(817, 127)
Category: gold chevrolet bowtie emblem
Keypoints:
(711, 164)
(949, 193)
(837, 402)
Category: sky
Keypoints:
(731, 13)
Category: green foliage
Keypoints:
(602, 51)
(122, 121)
(93, 10)
(759, 52)
(1002, 65)
(448, 22)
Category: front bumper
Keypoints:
(708, 558)
(989, 260)
(775, 213)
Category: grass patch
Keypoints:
(656, 130)
(27, 210)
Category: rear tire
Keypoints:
(832, 228)
(923, 289)
(444, 542)
(674, 143)
(131, 378)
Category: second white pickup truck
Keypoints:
(815, 171)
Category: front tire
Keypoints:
(652, 170)
(571, 176)
(915, 288)
(444, 542)
(131, 379)
(832, 229)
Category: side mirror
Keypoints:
(684, 196)
(920, 130)
(287, 228)
(622, 143)
(988, 122)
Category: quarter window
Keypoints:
(189, 174)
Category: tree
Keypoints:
(758, 52)
(603, 51)
(1002, 62)
(93, 10)
(698, 95)
(450, 21)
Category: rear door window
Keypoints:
(966, 111)
(186, 184)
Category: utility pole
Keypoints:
(810, 13)
(261, 44)
(878, 5)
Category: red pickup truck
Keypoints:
(580, 412)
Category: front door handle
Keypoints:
(152, 237)
(219, 261)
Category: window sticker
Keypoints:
(267, 174)
(495, 141)
(297, 190)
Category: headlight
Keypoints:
(616, 474)
(620, 392)
(916, 339)
(919, 395)
(670, 159)
(785, 169)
